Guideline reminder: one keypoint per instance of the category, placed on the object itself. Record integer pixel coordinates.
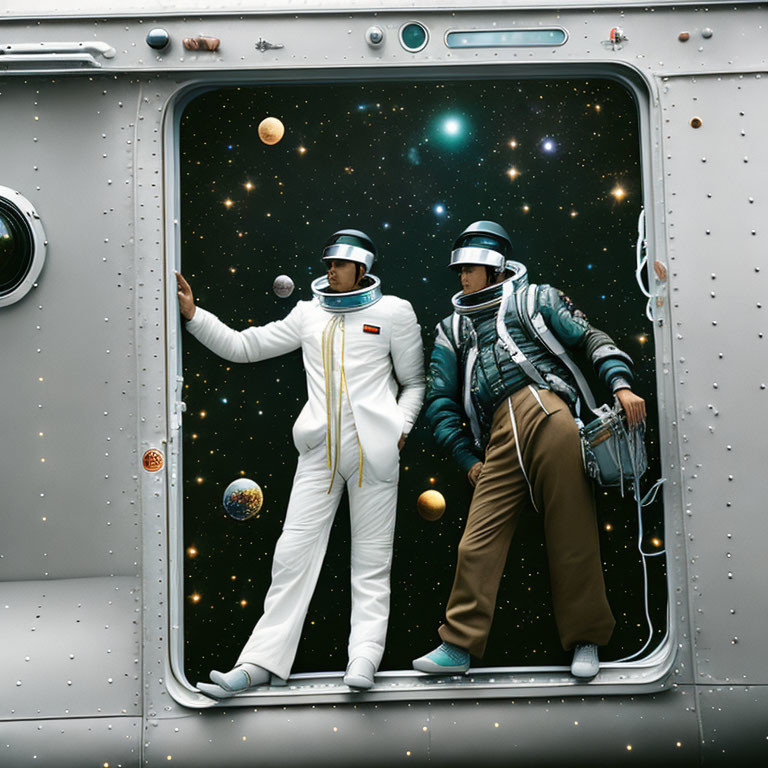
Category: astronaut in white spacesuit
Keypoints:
(363, 358)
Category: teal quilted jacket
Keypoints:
(471, 371)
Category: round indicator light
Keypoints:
(413, 36)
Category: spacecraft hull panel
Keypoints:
(92, 380)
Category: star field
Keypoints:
(557, 163)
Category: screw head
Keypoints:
(158, 38)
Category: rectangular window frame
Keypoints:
(649, 674)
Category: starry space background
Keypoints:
(557, 162)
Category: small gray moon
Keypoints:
(283, 286)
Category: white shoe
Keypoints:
(585, 664)
(359, 674)
(242, 677)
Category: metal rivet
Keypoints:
(696, 122)
(707, 32)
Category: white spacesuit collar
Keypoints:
(469, 303)
(369, 294)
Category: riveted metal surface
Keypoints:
(102, 741)
(70, 471)
(70, 648)
(716, 210)
(92, 363)
(623, 731)
(724, 743)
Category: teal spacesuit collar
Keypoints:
(469, 303)
(365, 296)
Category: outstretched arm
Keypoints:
(247, 346)
(574, 331)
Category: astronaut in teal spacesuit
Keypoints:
(492, 370)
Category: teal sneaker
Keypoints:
(446, 659)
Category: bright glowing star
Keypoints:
(386, 225)
(195, 597)
(548, 145)
(43, 460)
(224, 400)
(526, 208)
(194, 436)
(439, 209)
(597, 107)
(629, 747)
(302, 150)
(432, 480)
(642, 339)
(248, 185)
(495, 725)
(349, 170)
(243, 603)
(228, 203)
(513, 173)
(618, 193)
(513, 144)
(40, 433)
(452, 126)
(40, 378)
(191, 552)
(574, 214)
(203, 414)
(656, 542)
(199, 480)
(608, 527)
(679, 744)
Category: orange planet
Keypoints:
(431, 505)
(271, 130)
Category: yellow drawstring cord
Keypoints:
(329, 333)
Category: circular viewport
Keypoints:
(16, 250)
(413, 36)
(22, 246)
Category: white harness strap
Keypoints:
(550, 341)
(506, 339)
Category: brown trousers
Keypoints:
(546, 438)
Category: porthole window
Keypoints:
(413, 36)
(22, 246)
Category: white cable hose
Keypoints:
(641, 260)
(649, 498)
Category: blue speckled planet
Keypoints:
(243, 499)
